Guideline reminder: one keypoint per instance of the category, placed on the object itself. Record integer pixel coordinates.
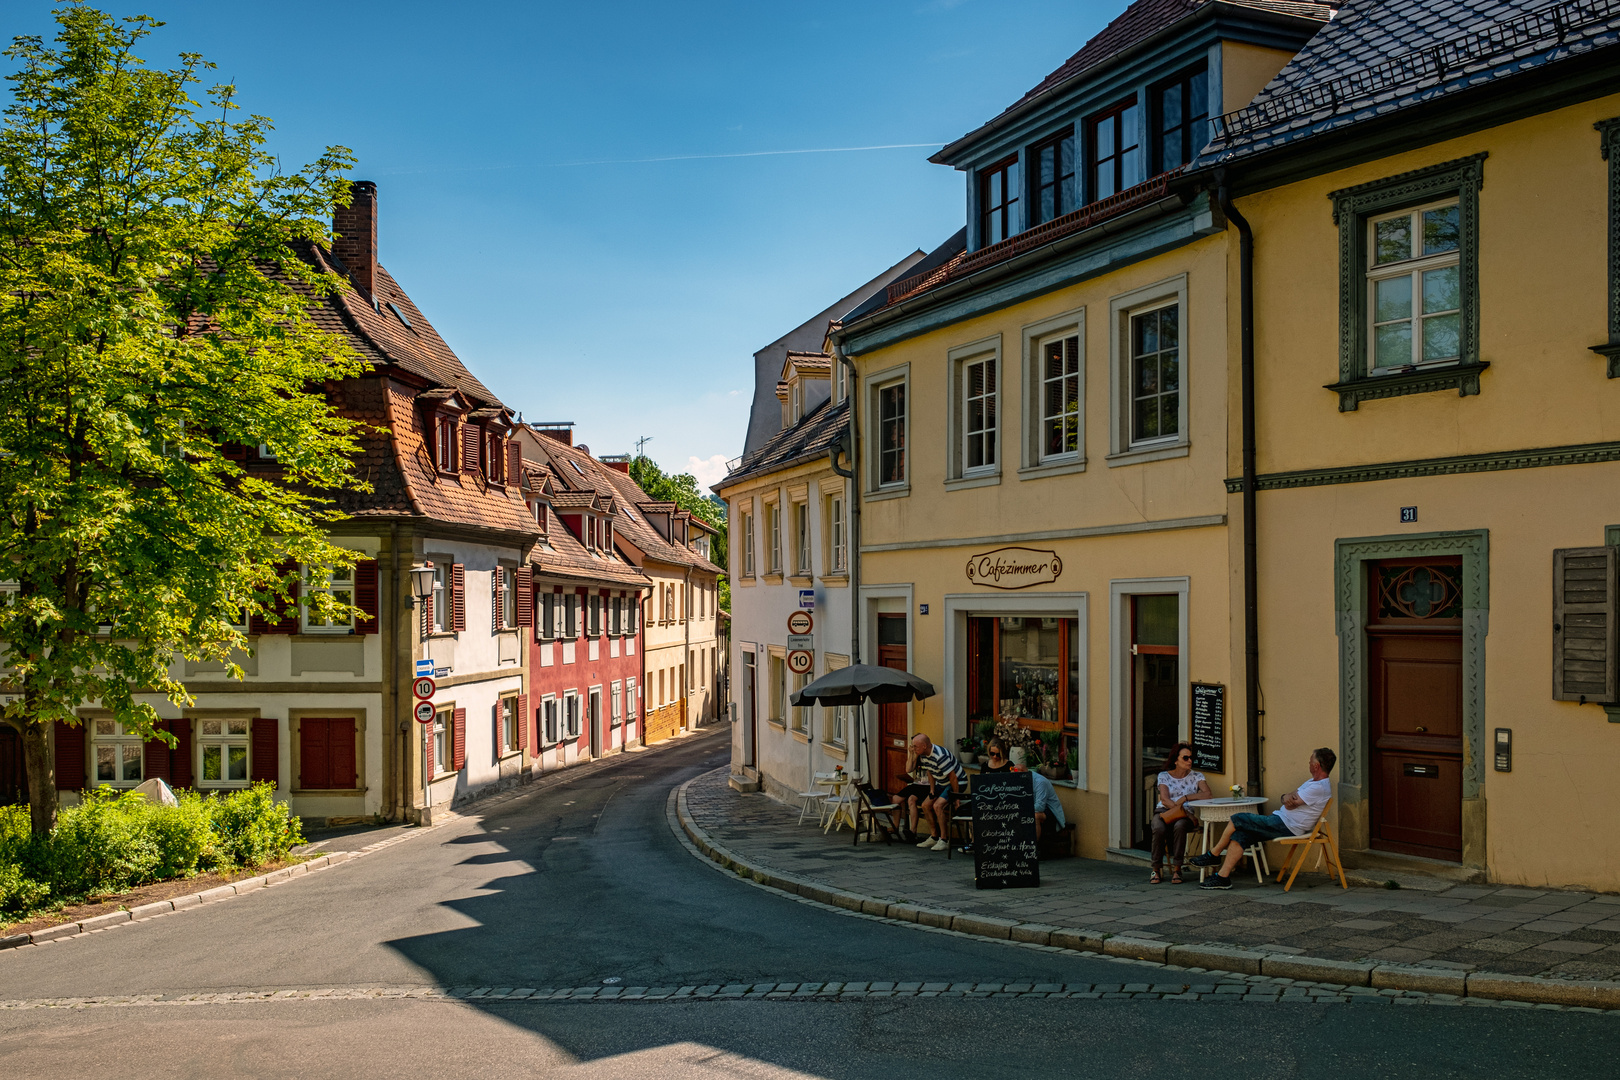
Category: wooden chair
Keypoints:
(1321, 838)
(960, 824)
(873, 813)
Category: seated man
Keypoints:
(1296, 817)
(945, 775)
(1046, 804)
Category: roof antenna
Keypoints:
(643, 441)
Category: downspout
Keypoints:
(390, 645)
(1254, 784)
(853, 476)
(687, 670)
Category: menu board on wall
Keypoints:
(1209, 727)
(1004, 832)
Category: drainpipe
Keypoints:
(1253, 785)
(390, 646)
(853, 476)
(686, 646)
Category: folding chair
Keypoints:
(1321, 838)
(960, 824)
(818, 799)
(873, 812)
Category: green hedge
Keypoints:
(116, 840)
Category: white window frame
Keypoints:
(545, 628)
(773, 518)
(776, 682)
(630, 700)
(1036, 338)
(1120, 311)
(571, 714)
(837, 535)
(1413, 269)
(226, 738)
(444, 740)
(960, 359)
(109, 733)
(309, 621)
(508, 596)
(510, 720)
(801, 719)
(442, 616)
(616, 697)
(877, 384)
(802, 556)
(550, 725)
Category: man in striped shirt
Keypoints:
(945, 775)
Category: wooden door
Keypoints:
(1414, 650)
(892, 734)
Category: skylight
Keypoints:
(400, 315)
(577, 469)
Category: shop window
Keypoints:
(1027, 670)
(222, 753)
(116, 752)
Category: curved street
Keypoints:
(579, 881)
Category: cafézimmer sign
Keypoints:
(1014, 568)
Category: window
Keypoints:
(669, 603)
(594, 627)
(439, 606)
(838, 553)
(1409, 283)
(892, 434)
(571, 713)
(796, 397)
(978, 415)
(748, 545)
(1181, 116)
(596, 708)
(1025, 668)
(616, 617)
(773, 514)
(222, 751)
(616, 717)
(443, 741)
(1116, 156)
(1414, 301)
(444, 443)
(546, 626)
(336, 582)
(509, 724)
(1053, 191)
(630, 700)
(778, 690)
(1155, 374)
(506, 597)
(571, 616)
(801, 713)
(117, 754)
(632, 614)
(998, 202)
(1059, 359)
(537, 510)
(801, 537)
(326, 753)
(548, 715)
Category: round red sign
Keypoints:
(800, 622)
(424, 712)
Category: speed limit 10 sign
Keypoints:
(424, 712)
(800, 662)
(424, 687)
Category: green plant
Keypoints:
(103, 844)
(251, 828)
(984, 729)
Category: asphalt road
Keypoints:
(570, 885)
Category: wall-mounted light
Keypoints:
(421, 583)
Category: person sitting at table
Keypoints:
(1296, 817)
(945, 775)
(1046, 805)
(995, 754)
(1177, 783)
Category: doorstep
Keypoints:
(1377, 868)
(1128, 856)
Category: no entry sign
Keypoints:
(424, 712)
(424, 687)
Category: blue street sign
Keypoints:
(807, 599)
(424, 667)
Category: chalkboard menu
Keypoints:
(1209, 727)
(1004, 832)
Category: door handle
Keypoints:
(1420, 727)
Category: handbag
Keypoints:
(1174, 815)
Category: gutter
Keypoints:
(1251, 547)
(854, 541)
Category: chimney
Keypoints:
(621, 462)
(356, 242)
(560, 430)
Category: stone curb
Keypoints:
(1210, 957)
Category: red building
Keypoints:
(585, 655)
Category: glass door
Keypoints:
(1155, 699)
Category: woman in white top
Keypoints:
(1177, 783)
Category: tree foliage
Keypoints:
(682, 490)
(153, 313)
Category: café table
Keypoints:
(841, 803)
(1215, 812)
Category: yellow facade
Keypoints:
(1543, 297)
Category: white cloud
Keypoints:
(709, 470)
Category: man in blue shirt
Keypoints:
(1046, 804)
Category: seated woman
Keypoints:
(995, 754)
(1177, 784)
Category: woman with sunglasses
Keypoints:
(1172, 821)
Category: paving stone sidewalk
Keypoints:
(1549, 933)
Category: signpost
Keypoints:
(800, 662)
(1004, 855)
(1209, 727)
(800, 622)
(424, 712)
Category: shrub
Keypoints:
(104, 844)
(184, 836)
(251, 828)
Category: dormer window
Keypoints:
(494, 458)
(998, 202)
(1115, 150)
(444, 442)
(1054, 177)
(1181, 119)
(796, 393)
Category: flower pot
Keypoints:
(967, 757)
(1054, 772)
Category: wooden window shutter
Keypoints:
(499, 740)
(495, 597)
(514, 462)
(427, 740)
(314, 754)
(458, 596)
(156, 764)
(340, 744)
(470, 438)
(180, 768)
(365, 595)
(525, 596)
(70, 757)
(458, 748)
(427, 614)
(523, 720)
(266, 750)
(287, 609)
(1584, 624)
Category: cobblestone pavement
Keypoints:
(1466, 927)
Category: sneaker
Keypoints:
(1215, 881)
(942, 845)
(927, 841)
(1205, 860)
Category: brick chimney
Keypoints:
(560, 432)
(356, 242)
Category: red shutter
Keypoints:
(514, 462)
(470, 438)
(427, 736)
(458, 751)
(427, 614)
(69, 757)
(458, 596)
(314, 754)
(266, 750)
(365, 595)
(498, 743)
(180, 774)
(523, 721)
(288, 610)
(495, 598)
(340, 740)
(258, 624)
(525, 596)
(157, 758)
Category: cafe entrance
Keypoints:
(1155, 707)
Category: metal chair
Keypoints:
(1321, 838)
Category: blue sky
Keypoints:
(629, 295)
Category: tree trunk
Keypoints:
(41, 779)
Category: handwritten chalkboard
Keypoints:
(1004, 832)
(1209, 727)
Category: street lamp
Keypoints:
(421, 582)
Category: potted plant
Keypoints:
(966, 750)
(984, 729)
(1053, 765)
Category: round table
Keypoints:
(1212, 812)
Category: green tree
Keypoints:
(682, 490)
(153, 313)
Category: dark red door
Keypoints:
(1414, 665)
(892, 733)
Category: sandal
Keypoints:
(1153, 878)
(1175, 876)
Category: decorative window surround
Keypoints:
(958, 474)
(1123, 451)
(1036, 462)
(1610, 148)
(1352, 207)
(877, 383)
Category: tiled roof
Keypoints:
(560, 554)
(812, 437)
(1134, 25)
(1378, 56)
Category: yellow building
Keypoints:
(1436, 321)
(1043, 414)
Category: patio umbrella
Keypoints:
(864, 682)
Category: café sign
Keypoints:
(1014, 568)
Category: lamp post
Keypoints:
(422, 589)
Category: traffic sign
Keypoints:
(800, 662)
(424, 667)
(424, 712)
(423, 687)
(800, 622)
(807, 599)
(802, 641)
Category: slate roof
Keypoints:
(1136, 24)
(1378, 56)
(812, 437)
